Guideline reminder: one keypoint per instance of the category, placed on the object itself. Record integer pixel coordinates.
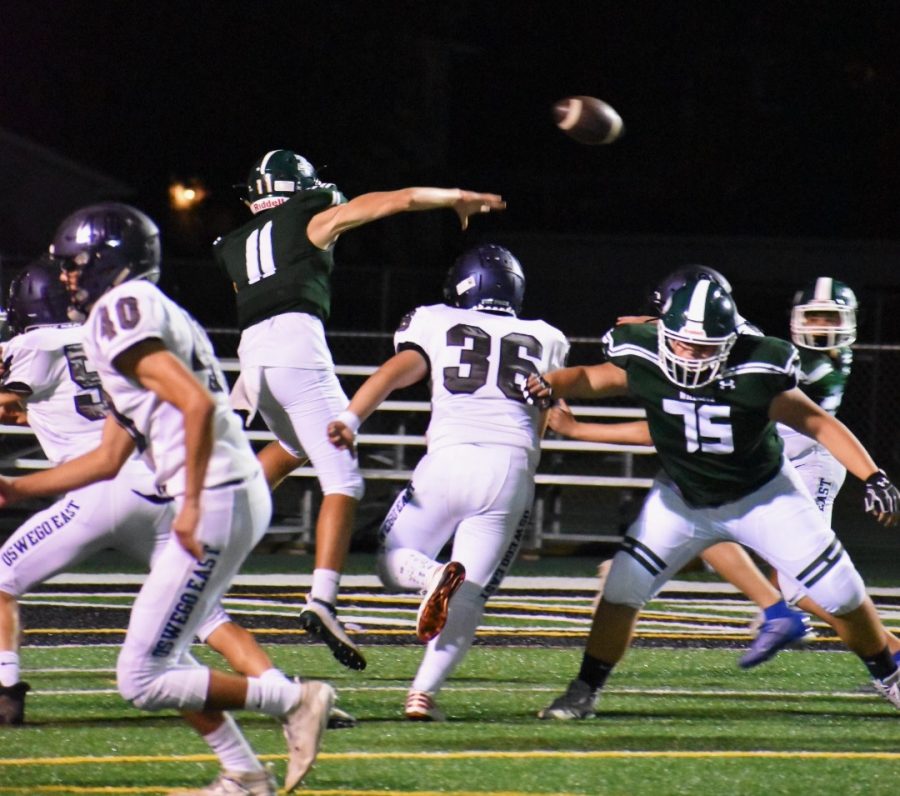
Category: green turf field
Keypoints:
(675, 720)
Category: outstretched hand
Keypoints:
(470, 203)
(342, 437)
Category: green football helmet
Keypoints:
(823, 315)
(277, 176)
(697, 330)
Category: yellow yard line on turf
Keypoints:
(31, 790)
(536, 754)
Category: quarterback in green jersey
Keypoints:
(712, 399)
(280, 264)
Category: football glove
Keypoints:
(541, 402)
(882, 497)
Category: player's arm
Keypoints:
(584, 381)
(562, 421)
(160, 371)
(100, 464)
(402, 370)
(325, 227)
(796, 410)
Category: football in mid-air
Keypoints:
(588, 120)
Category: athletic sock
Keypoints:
(881, 665)
(778, 611)
(275, 675)
(272, 696)
(594, 671)
(325, 583)
(231, 747)
(9, 668)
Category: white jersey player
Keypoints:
(166, 387)
(46, 372)
(476, 482)
(45, 369)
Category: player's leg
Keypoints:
(245, 656)
(70, 530)
(812, 557)
(154, 671)
(420, 522)
(782, 626)
(297, 405)
(278, 463)
(485, 543)
(662, 540)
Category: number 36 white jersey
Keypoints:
(136, 311)
(478, 365)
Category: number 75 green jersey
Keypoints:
(716, 442)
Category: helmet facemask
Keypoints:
(102, 246)
(37, 297)
(698, 316)
(824, 315)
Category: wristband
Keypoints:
(350, 419)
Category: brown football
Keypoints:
(588, 120)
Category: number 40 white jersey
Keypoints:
(478, 365)
(136, 311)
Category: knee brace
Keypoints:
(150, 688)
(840, 590)
(352, 485)
(628, 583)
(403, 568)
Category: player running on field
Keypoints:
(46, 373)
(712, 398)
(476, 482)
(168, 402)
(280, 263)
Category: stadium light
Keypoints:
(186, 197)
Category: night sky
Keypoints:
(742, 118)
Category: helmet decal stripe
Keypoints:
(696, 312)
(265, 160)
(824, 286)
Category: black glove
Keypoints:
(543, 402)
(882, 497)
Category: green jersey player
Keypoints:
(712, 399)
(280, 263)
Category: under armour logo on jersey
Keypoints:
(727, 384)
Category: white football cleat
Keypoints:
(420, 706)
(237, 783)
(889, 688)
(303, 727)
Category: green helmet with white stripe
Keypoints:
(824, 315)
(697, 330)
(277, 176)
